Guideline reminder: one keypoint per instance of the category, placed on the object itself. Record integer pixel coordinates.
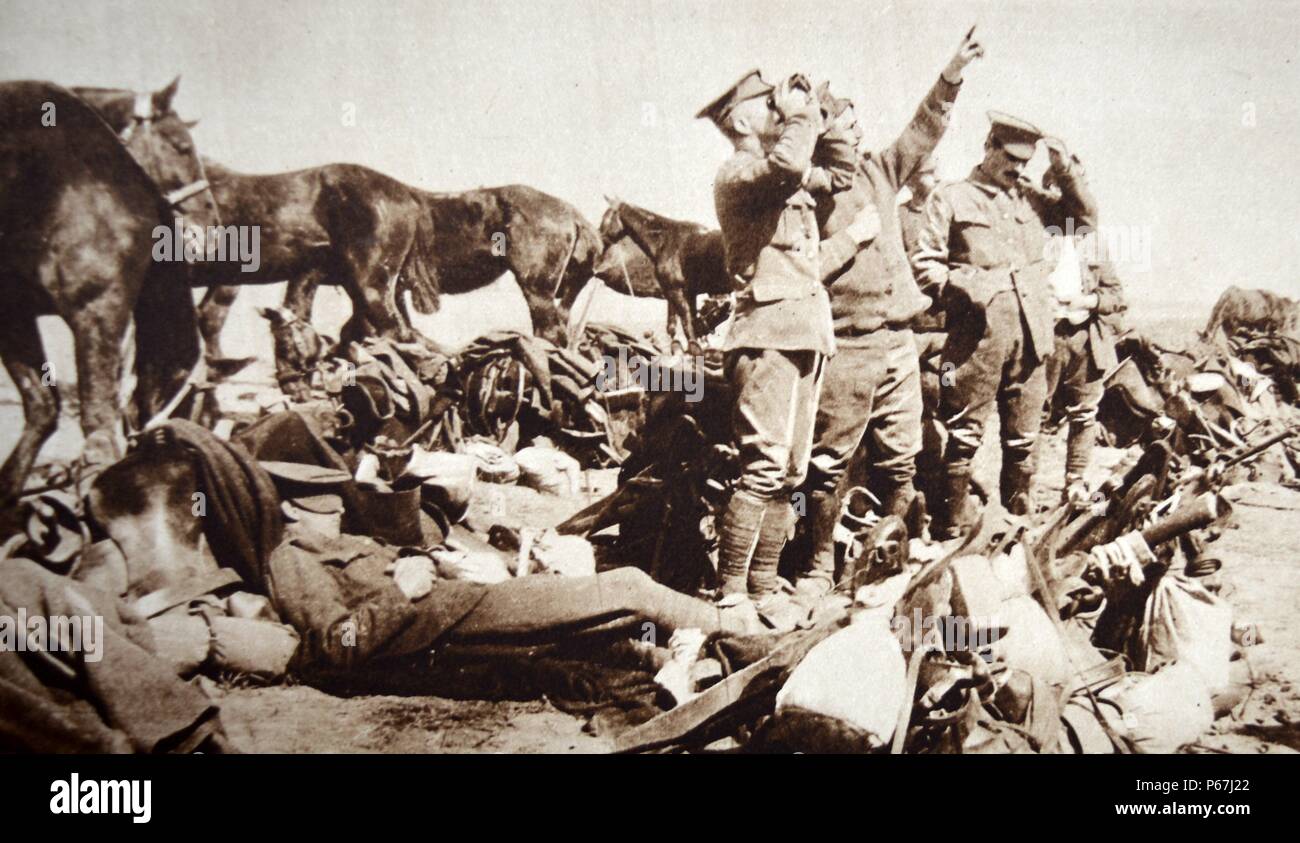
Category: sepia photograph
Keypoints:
(577, 378)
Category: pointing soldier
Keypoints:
(872, 389)
(982, 255)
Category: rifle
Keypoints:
(1213, 475)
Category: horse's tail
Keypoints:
(420, 269)
(585, 252)
(167, 346)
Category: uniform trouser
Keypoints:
(1074, 379)
(929, 462)
(992, 363)
(776, 395)
(871, 395)
(535, 610)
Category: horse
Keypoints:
(80, 211)
(339, 224)
(349, 225)
(688, 259)
(545, 242)
(625, 268)
(1245, 314)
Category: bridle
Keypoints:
(142, 117)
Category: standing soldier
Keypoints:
(911, 214)
(982, 256)
(1086, 327)
(928, 331)
(781, 329)
(873, 383)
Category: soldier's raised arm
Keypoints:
(1076, 202)
(901, 158)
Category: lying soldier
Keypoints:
(356, 602)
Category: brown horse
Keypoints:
(344, 224)
(549, 247)
(80, 212)
(688, 258)
(340, 224)
(625, 268)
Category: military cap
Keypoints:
(747, 87)
(1016, 136)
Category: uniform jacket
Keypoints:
(877, 288)
(770, 237)
(1107, 321)
(980, 240)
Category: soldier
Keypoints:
(873, 383)
(911, 214)
(982, 256)
(928, 331)
(781, 329)
(1086, 327)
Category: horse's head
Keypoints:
(611, 224)
(159, 140)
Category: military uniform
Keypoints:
(982, 254)
(779, 338)
(872, 390)
(1084, 353)
(928, 333)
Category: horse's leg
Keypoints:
(24, 359)
(672, 319)
(692, 313)
(97, 330)
(213, 310)
(548, 322)
(680, 312)
(300, 295)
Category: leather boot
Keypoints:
(1078, 450)
(777, 524)
(1017, 480)
(955, 514)
(819, 575)
(897, 500)
(737, 540)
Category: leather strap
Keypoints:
(156, 602)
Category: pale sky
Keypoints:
(1185, 113)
